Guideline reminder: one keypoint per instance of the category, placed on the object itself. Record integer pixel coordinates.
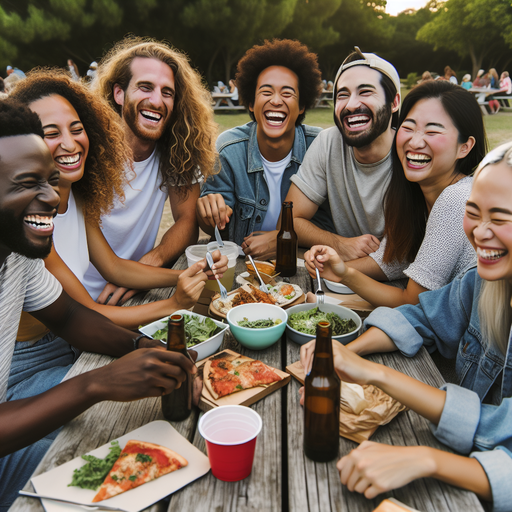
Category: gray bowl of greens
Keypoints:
(204, 335)
(302, 320)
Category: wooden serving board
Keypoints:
(213, 311)
(245, 397)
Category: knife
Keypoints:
(88, 506)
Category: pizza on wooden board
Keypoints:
(139, 462)
(229, 374)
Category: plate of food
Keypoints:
(203, 334)
(132, 472)
(282, 294)
(233, 379)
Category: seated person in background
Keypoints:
(469, 319)
(278, 81)
(439, 143)
(350, 164)
(481, 80)
(425, 76)
(88, 148)
(32, 409)
(466, 81)
(505, 87)
(450, 75)
(233, 89)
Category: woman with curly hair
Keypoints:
(87, 144)
(277, 82)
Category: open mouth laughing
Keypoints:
(275, 118)
(38, 222)
(357, 121)
(70, 161)
(490, 255)
(417, 160)
(154, 117)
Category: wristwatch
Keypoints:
(137, 339)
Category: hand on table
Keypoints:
(261, 244)
(328, 262)
(356, 247)
(213, 210)
(374, 468)
(142, 373)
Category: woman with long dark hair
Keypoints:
(439, 142)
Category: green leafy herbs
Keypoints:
(259, 324)
(92, 474)
(305, 321)
(142, 457)
(197, 330)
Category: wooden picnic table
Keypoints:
(282, 479)
(324, 100)
(481, 94)
(219, 97)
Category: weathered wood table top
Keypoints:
(282, 478)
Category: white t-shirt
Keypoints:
(274, 175)
(445, 251)
(131, 227)
(70, 238)
(26, 285)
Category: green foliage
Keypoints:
(412, 80)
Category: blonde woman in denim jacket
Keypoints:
(468, 320)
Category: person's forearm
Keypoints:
(460, 471)
(369, 267)
(25, 421)
(426, 400)
(371, 341)
(376, 293)
(309, 234)
(178, 237)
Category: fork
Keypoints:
(209, 260)
(85, 506)
(263, 286)
(320, 295)
(218, 237)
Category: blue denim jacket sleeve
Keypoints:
(466, 424)
(438, 321)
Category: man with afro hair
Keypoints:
(277, 82)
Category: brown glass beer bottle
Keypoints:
(176, 406)
(322, 401)
(287, 243)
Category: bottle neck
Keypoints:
(176, 334)
(287, 218)
(323, 360)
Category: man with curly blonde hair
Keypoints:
(277, 82)
(168, 121)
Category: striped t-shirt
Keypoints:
(25, 284)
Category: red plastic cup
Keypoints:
(230, 433)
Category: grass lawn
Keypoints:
(498, 127)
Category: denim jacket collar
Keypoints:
(254, 162)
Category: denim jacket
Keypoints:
(484, 432)
(241, 180)
(447, 320)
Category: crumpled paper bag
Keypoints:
(359, 417)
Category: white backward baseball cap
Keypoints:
(373, 61)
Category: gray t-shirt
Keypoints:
(26, 285)
(445, 251)
(355, 191)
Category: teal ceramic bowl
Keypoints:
(257, 339)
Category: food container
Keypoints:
(196, 253)
(337, 287)
(204, 349)
(257, 339)
(302, 338)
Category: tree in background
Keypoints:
(481, 29)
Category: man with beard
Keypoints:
(351, 164)
(33, 401)
(169, 127)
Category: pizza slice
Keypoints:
(227, 375)
(139, 462)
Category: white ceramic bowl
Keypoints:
(302, 338)
(257, 339)
(204, 349)
(337, 287)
